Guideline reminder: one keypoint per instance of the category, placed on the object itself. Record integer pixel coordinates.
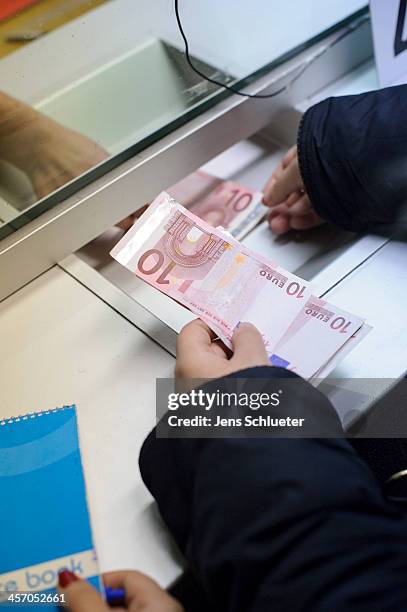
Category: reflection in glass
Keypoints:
(85, 81)
(132, 96)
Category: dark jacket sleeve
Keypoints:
(281, 524)
(353, 158)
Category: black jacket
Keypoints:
(300, 524)
(270, 525)
(353, 158)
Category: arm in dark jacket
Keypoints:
(281, 524)
(353, 158)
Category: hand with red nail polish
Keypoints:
(142, 593)
(65, 577)
(291, 208)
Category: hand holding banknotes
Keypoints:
(200, 356)
(224, 283)
(285, 194)
(141, 594)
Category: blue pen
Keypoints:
(115, 597)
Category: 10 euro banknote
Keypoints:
(209, 272)
(219, 202)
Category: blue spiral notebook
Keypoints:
(44, 519)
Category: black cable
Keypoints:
(308, 63)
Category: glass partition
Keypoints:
(87, 84)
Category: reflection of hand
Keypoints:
(142, 593)
(48, 153)
(55, 155)
(285, 194)
(127, 223)
(199, 357)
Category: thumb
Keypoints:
(288, 182)
(248, 347)
(80, 596)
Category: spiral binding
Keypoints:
(33, 415)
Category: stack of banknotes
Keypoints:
(220, 203)
(208, 271)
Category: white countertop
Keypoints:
(61, 344)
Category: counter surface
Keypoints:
(61, 344)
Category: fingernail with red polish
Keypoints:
(65, 577)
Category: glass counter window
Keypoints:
(88, 84)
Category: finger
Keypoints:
(306, 221)
(269, 186)
(289, 181)
(280, 224)
(115, 580)
(248, 346)
(278, 170)
(80, 595)
(301, 207)
(126, 224)
(140, 211)
(220, 350)
(194, 352)
(195, 335)
(141, 591)
(281, 209)
(289, 156)
(293, 199)
(135, 584)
